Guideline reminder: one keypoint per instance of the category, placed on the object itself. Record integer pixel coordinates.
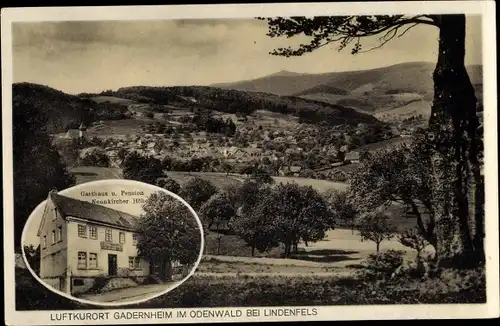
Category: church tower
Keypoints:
(82, 131)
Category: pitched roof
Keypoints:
(92, 212)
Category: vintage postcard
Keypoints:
(250, 162)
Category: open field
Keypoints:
(112, 99)
(320, 185)
(413, 108)
(219, 179)
(384, 144)
(340, 253)
(117, 128)
(91, 173)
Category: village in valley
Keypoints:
(273, 140)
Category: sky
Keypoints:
(93, 56)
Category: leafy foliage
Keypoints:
(168, 184)
(260, 175)
(95, 157)
(245, 103)
(298, 213)
(140, 168)
(341, 208)
(398, 174)
(197, 191)
(343, 30)
(38, 167)
(168, 231)
(254, 228)
(412, 238)
(382, 265)
(218, 209)
(376, 227)
(33, 257)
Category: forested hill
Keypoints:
(60, 111)
(233, 101)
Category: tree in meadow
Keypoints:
(168, 232)
(216, 212)
(197, 191)
(141, 168)
(298, 213)
(341, 207)
(168, 184)
(250, 223)
(376, 227)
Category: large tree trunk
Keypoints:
(455, 162)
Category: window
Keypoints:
(54, 214)
(82, 259)
(108, 235)
(53, 236)
(134, 262)
(78, 282)
(82, 231)
(122, 237)
(44, 241)
(92, 260)
(93, 232)
(134, 239)
(59, 234)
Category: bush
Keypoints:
(94, 157)
(382, 265)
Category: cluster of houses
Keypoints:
(160, 146)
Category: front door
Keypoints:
(112, 265)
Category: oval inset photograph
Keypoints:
(112, 242)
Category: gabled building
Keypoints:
(80, 133)
(81, 242)
(352, 157)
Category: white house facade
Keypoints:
(82, 243)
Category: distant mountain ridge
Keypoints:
(413, 77)
(375, 91)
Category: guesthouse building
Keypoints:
(82, 244)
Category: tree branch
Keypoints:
(395, 30)
(406, 30)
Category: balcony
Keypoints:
(111, 246)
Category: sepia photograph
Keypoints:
(111, 242)
(326, 159)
